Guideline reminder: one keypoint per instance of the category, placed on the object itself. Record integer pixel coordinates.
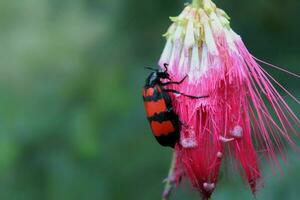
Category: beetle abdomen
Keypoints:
(162, 119)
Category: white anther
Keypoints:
(208, 186)
(237, 132)
(223, 139)
(219, 154)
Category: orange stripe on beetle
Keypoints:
(163, 128)
(153, 107)
(149, 92)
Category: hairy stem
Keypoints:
(170, 181)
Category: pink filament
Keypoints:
(236, 110)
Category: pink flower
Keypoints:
(234, 120)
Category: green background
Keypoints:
(72, 122)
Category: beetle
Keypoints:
(164, 122)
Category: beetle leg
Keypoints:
(186, 95)
(183, 124)
(175, 82)
(166, 66)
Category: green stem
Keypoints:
(197, 3)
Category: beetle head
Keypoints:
(163, 74)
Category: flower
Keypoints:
(235, 119)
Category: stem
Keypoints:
(170, 181)
(197, 3)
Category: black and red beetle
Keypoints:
(164, 122)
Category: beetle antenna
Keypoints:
(150, 68)
(166, 66)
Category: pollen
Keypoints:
(188, 138)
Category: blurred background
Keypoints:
(72, 123)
